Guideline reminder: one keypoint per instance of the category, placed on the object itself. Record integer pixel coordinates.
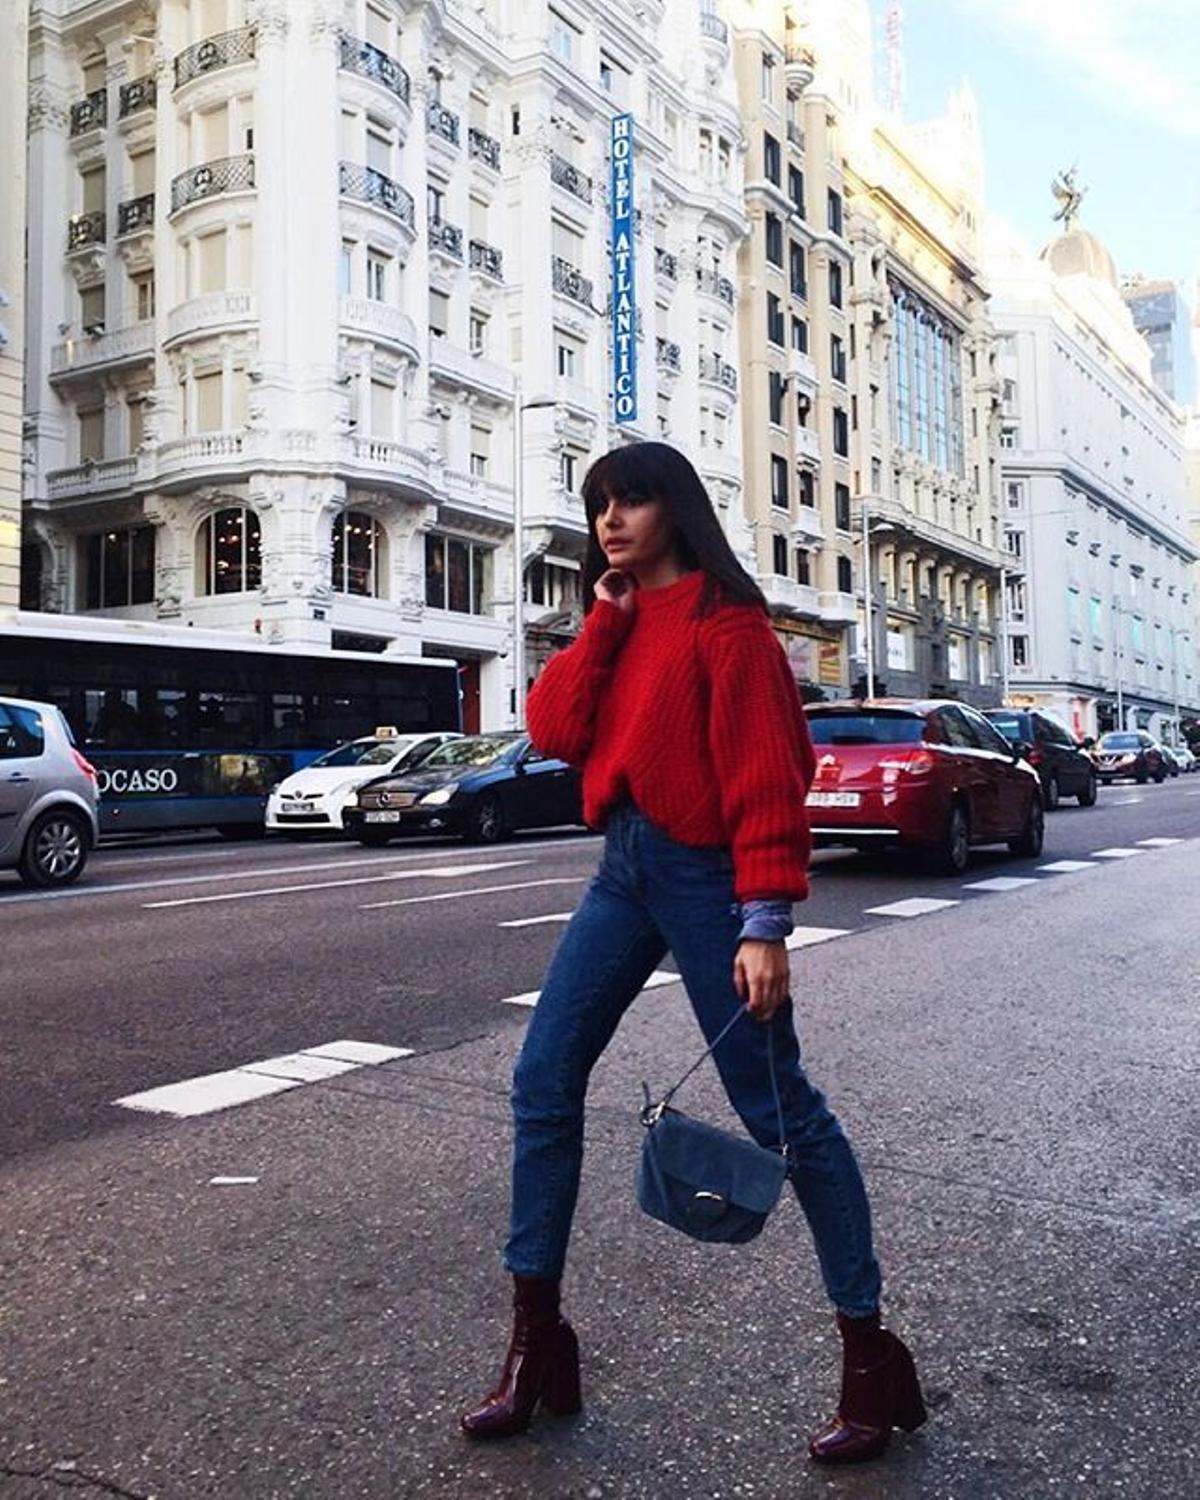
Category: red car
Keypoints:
(930, 774)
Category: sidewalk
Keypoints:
(1022, 1091)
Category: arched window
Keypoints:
(359, 544)
(229, 552)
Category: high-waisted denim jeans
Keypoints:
(651, 894)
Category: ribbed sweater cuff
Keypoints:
(604, 630)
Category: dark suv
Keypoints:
(1130, 752)
(1065, 768)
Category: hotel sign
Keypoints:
(624, 291)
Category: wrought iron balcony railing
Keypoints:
(142, 93)
(571, 282)
(366, 59)
(488, 259)
(228, 174)
(86, 229)
(714, 285)
(713, 27)
(135, 214)
(224, 50)
(568, 176)
(370, 186)
(446, 237)
(442, 121)
(668, 354)
(486, 148)
(714, 368)
(666, 264)
(90, 113)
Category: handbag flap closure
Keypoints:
(711, 1160)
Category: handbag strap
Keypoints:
(651, 1111)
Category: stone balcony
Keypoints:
(807, 444)
(454, 366)
(95, 477)
(381, 322)
(790, 597)
(838, 608)
(212, 312)
(105, 351)
(802, 369)
(473, 499)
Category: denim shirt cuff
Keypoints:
(766, 921)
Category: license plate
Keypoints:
(381, 817)
(834, 799)
(301, 807)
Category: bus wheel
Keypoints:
(239, 832)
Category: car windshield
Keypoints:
(1120, 742)
(363, 753)
(482, 751)
(866, 729)
(1010, 727)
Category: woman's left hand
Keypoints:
(762, 976)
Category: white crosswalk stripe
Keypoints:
(1066, 866)
(1116, 853)
(554, 916)
(809, 937)
(1161, 843)
(914, 906)
(1001, 883)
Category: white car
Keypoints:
(312, 800)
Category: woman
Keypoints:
(678, 703)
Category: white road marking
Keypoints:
(445, 872)
(554, 916)
(231, 1181)
(1115, 853)
(478, 890)
(1158, 843)
(1065, 866)
(660, 976)
(1001, 883)
(1126, 801)
(809, 937)
(914, 906)
(258, 1080)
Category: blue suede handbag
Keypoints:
(704, 1181)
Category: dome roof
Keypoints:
(1080, 253)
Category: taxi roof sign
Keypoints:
(386, 732)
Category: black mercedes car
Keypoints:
(482, 787)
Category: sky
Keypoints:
(1110, 85)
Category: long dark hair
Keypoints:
(656, 471)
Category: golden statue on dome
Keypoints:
(1068, 194)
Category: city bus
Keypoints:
(192, 728)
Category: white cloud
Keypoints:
(1139, 58)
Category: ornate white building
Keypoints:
(291, 263)
(1102, 599)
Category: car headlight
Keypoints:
(441, 796)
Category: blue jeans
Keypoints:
(651, 894)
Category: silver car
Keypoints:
(48, 797)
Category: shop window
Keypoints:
(230, 552)
(358, 543)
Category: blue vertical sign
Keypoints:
(624, 291)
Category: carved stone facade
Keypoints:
(354, 348)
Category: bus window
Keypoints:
(165, 728)
(288, 726)
(112, 718)
(226, 718)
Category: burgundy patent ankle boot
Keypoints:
(541, 1367)
(880, 1390)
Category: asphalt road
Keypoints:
(182, 959)
(294, 1296)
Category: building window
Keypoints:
(797, 271)
(118, 568)
(1020, 650)
(230, 552)
(841, 433)
(477, 331)
(774, 319)
(1014, 490)
(775, 398)
(926, 382)
(481, 441)
(835, 283)
(439, 313)
(833, 204)
(845, 575)
(837, 358)
(664, 417)
(377, 276)
(606, 74)
(803, 566)
(779, 484)
(455, 574)
(772, 162)
(143, 296)
(774, 238)
(357, 549)
(91, 434)
(779, 555)
(1014, 542)
(568, 360)
(841, 506)
(571, 470)
(564, 39)
(808, 487)
(796, 189)
(876, 476)
(92, 310)
(800, 335)
(346, 269)
(1008, 435)
(767, 79)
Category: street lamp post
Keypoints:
(1004, 668)
(520, 407)
(1118, 652)
(868, 531)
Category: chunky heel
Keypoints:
(880, 1391)
(540, 1369)
(562, 1395)
(909, 1407)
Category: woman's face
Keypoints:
(635, 536)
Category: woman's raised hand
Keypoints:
(762, 976)
(617, 587)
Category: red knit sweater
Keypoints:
(696, 720)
